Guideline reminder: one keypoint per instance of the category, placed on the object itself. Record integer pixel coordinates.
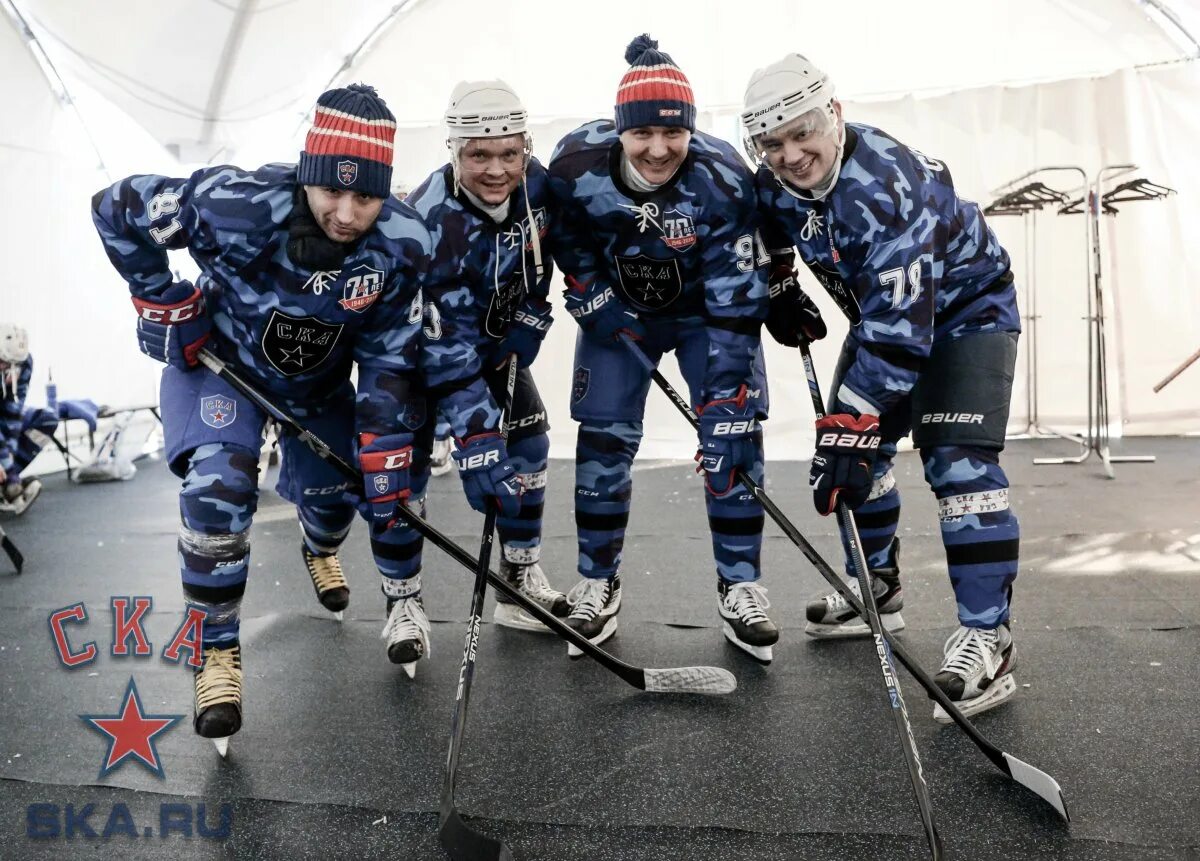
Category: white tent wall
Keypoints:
(988, 136)
(57, 282)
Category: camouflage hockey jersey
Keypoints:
(686, 249)
(294, 331)
(907, 260)
(482, 276)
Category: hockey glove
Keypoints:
(488, 472)
(385, 462)
(524, 336)
(841, 467)
(601, 315)
(729, 435)
(173, 327)
(793, 318)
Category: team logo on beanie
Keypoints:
(347, 172)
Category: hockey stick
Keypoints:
(458, 839)
(1033, 779)
(11, 550)
(670, 680)
(899, 712)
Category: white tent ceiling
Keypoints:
(209, 76)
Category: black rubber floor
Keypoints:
(341, 755)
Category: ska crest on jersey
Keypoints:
(837, 290)
(677, 229)
(580, 384)
(217, 411)
(361, 288)
(649, 284)
(298, 345)
(507, 296)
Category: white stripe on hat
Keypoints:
(655, 68)
(387, 124)
(655, 80)
(341, 133)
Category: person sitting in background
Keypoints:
(23, 432)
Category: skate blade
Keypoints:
(610, 628)
(339, 615)
(410, 669)
(222, 745)
(1001, 690)
(512, 616)
(762, 654)
(891, 622)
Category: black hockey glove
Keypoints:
(845, 457)
(792, 316)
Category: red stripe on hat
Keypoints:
(655, 91)
(334, 144)
(384, 129)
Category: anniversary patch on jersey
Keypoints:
(679, 231)
(519, 232)
(218, 412)
(363, 286)
(507, 296)
(298, 345)
(651, 285)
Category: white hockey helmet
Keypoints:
(14, 344)
(485, 109)
(781, 92)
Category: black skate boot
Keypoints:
(977, 672)
(594, 605)
(743, 608)
(218, 694)
(531, 582)
(407, 627)
(832, 617)
(328, 580)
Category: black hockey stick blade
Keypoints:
(463, 843)
(674, 680)
(11, 550)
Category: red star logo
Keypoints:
(131, 733)
(218, 416)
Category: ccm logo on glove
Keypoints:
(171, 315)
(847, 440)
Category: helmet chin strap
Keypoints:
(821, 190)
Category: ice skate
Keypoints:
(531, 582)
(218, 692)
(594, 605)
(744, 618)
(15, 498)
(406, 632)
(977, 672)
(328, 580)
(831, 617)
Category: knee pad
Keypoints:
(220, 490)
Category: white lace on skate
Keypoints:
(837, 604)
(533, 583)
(970, 650)
(587, 598)
(407, 621)
(748, 601)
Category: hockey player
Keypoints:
(23, 431)
(486, 300)
(932, 344)
(656, 238)
(305, 269)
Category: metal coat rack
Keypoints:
(1092, 200)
